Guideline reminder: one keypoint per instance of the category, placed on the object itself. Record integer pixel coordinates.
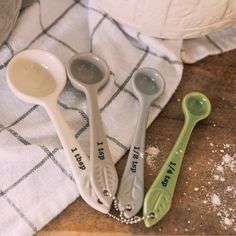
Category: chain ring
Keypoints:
(121, 218)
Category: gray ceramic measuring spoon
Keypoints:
(88, 72)
(38, 77)
(148, 85)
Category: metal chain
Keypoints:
(121, 218)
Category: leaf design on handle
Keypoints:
(90, 196)
(105, 178)
(158, 202)
(131, 193)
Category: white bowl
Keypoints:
(173, 19)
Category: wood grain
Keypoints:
(214, 76)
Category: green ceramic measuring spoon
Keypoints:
(157, 202)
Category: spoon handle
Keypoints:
(131, 190)
(158, 199)
(103, 175)
(79, 162)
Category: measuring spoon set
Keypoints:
(38, 77)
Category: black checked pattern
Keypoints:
(19, 211)
(214, 43)
(121, 88)
(49, 155)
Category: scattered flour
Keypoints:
(227, 167)
(222, 179)
(226, 145)
(226, 159)
(220, 169)
(220, 191)
(216, 177)
(152, 151)
(215, 200)
(227, 221)
(151, 156)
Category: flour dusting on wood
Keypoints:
(220, 192)
(152, 153)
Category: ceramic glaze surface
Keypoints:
(86, 72)
(146, 84)
(31, 78)
(197, 106)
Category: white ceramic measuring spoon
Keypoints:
(38, 77)
(148, 85)
(88, 72)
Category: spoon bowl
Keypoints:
(35, 75)
(196, 106)
(148, 83)
(86, 70)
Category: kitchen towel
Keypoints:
(33, 167)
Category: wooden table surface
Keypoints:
(205, 196)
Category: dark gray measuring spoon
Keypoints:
(89, 72)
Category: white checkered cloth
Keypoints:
(36, 183)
